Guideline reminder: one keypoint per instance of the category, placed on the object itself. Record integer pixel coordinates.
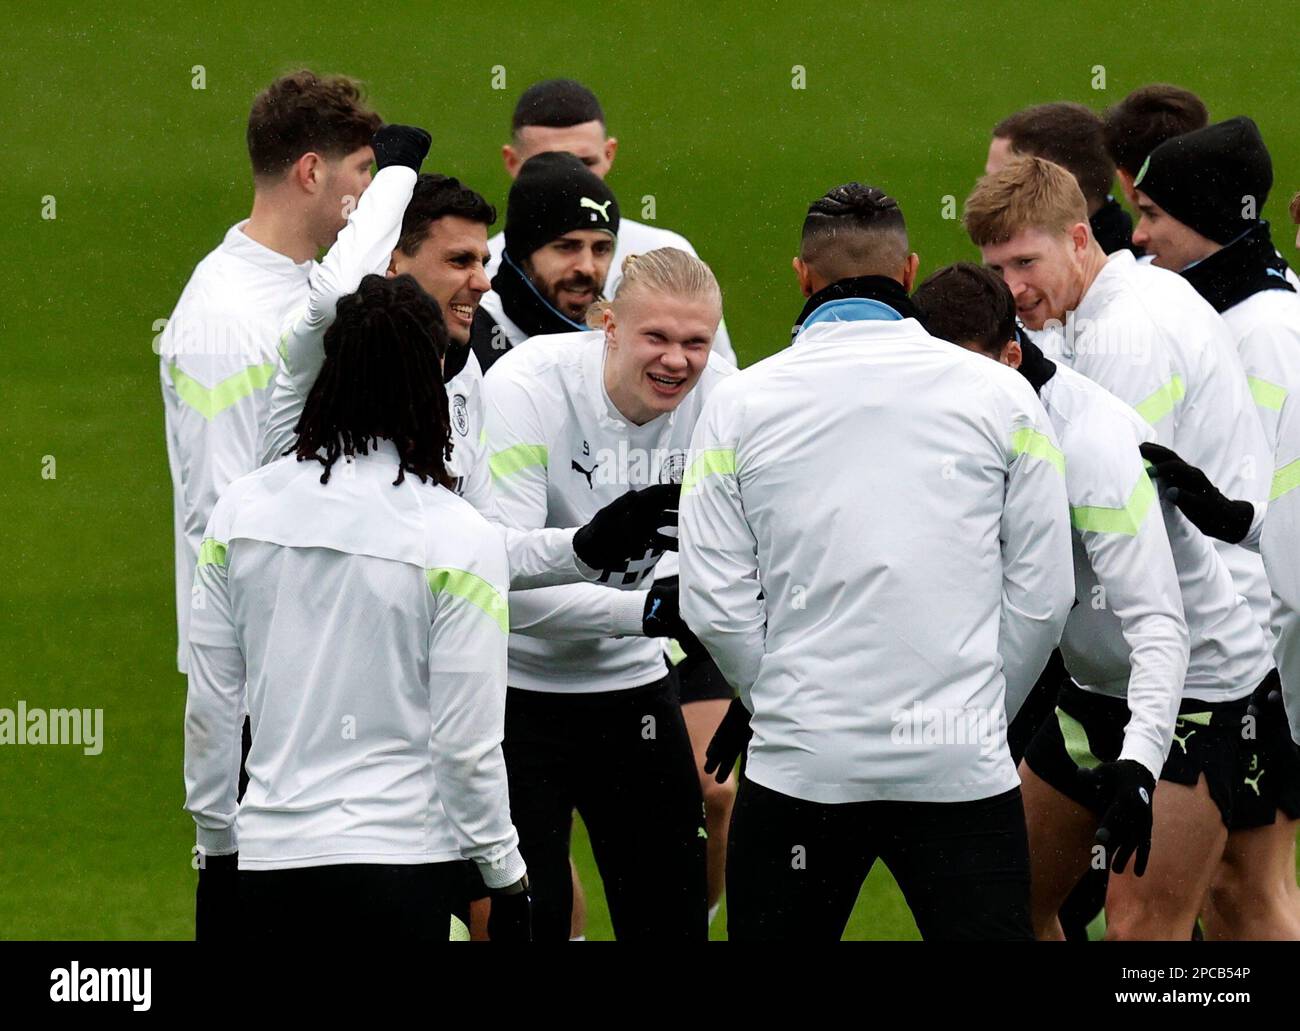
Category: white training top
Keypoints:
(560, 451)
(1148, 337)
(363, 248)
(368, 619)
(875, 549)
(217, 360)
(633, 238)
(1282, 558)
(1132, 568)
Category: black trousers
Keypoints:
(623, 760)
(353, 903)
(794, 868)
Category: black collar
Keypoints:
(525, 306)
(1034, 365)
(876, 288)
(1245, 267)
(1112, 228)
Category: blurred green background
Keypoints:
(148, 172)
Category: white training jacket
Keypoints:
(217, 360)
(1266, 327)
(1148, 337)
(875, 549)
(1279, 547)
(633, 238)
(367, 619)
(1126, 635)
(364, 247)
(560, 451)
(1227, 655)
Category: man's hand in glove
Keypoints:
(1125, 828)
(662, 617)
(1197, 498)
(400, 145)
(511, 916)
(628, 527)
(729, 742)
(216, 902)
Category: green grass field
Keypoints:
(147, 172)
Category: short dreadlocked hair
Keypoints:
(854, 230)
(382, 378)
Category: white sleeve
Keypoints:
(467, 696)
(1281, 553)
(213, 707)
(519, 464)
(1128, 548)
(1037, 566)
(721, 598)
(364, 247)
(538, 558)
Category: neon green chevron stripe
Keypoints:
(714, 462)
(212, 552)
(1266, 394)
(474, 589)
(516, 459)
(1077, 746)
(230, 391)
(1027, 441)
(1162, 402)
(1285, 480)
(1126, 520)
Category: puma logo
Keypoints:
(586, 472)
(587, 202)
(1182, 741)
(1253, 782)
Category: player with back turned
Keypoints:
(854, 646)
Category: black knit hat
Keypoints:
(554, 194)
(1209, 179)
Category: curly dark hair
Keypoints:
(382, 378)
(302, 112)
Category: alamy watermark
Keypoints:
(31, 726)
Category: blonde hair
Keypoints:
(1027, 193)
(669, 270)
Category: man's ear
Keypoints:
(392, 266)
(804, 276)
(611, 148)
(909, 271)
(309, 172)
(1012, 354)
(510, 158)
(608, 324)
(1126, 184)
(1080, 237)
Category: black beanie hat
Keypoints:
(554, 194)
(1209, 177)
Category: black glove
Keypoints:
(729, 742)
(662, 617)
(1126, 826)
(1197, 498)
(216, 902)
(628, 527)
(511, 916)
(400, 145)
(1272, 728)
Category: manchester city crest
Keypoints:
(460, 414)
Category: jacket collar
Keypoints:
(1247, 266)
(858, 299)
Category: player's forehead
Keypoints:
(1029, 242)
(585, 140)
(456, 233)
